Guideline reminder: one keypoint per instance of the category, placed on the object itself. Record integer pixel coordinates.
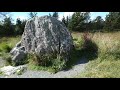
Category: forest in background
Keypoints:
(79, 21)
(94, 40)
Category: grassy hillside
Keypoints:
(107, 62)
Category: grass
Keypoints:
(1, 73)
(104, 63)
(10, 41)
(54, 65)
(35, 67)
(108, 68)
(51, 64)
(6, 44)
(107, 64)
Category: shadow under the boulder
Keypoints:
(83, 55)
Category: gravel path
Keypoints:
(79, 67)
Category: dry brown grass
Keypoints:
(108, 62)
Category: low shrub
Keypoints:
(58, 64)
(46, 62)
(90, 47)
(42, 60)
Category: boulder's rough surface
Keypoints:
(44, 35)
(18, 54)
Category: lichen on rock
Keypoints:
(44, 35)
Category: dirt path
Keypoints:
(79, 67)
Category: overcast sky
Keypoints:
(24, 15)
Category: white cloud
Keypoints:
(21, 17)
(65, 14)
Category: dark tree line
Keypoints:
(80, 21)
(7, 28)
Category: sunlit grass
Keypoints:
(106, 65)
(108, 62)
(6, 44)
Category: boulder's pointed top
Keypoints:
(43, 17)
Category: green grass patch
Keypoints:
(108, 68)
(36, 67)
(1, 73)
(5, 47)
(7, 58)
(6, 44)
(47, 63)
(107, 62)
(10, 41)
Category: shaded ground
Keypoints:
(2, 62)
(77, 68)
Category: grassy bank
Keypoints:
(107, 64)
(6, 44)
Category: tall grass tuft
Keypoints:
(90, 47)
(107, 64)
(52, 63)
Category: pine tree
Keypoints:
(67, 21)
(98, 23)
(8, 28)
(18, 28)
(32, 14)
(23, 25)
(1, 30)
(79, 21)
(112, 21)
(4, 15)
(70, 25)
(63, 20)
(50, 15)
(55, 14)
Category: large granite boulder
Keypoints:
(44, 36)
